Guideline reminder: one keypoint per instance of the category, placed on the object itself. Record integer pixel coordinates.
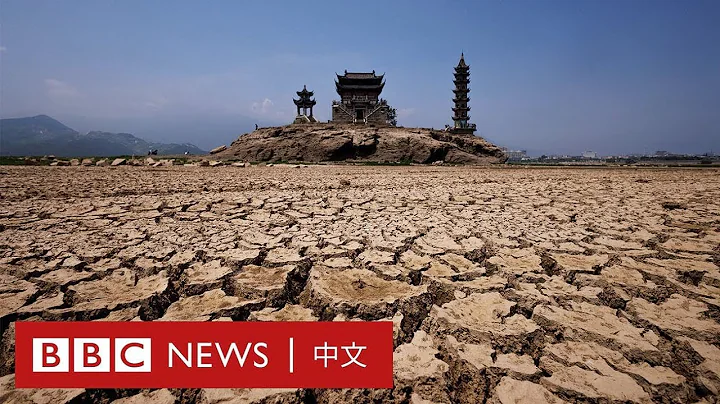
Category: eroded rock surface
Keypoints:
(333, 142)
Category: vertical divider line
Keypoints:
(292, 354)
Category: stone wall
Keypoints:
(304, 119)
(378, 118)
(339, 116)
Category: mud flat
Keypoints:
(504, 285)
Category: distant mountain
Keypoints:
(205, 130)
(43, 135)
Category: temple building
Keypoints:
(461, 109)
(359, 99)
(304, 103)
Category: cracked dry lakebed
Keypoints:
(504, 285)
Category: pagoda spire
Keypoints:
(305, 102)
(461, 109)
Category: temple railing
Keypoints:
(342, 108)
(360, 98)
(374, 110)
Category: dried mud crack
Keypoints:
(503, 285)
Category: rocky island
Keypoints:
(364, 143)
(364, 128)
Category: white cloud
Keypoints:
(59, 90)
(155, 103)
(3, 49)
(263, 107)
(405, 112)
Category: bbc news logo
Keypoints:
(91, 355)
(203, 354)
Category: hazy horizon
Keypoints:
(546, 76)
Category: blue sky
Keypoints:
(614, 76)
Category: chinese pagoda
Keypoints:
(304, 103)
(359, 99)
(461, 109)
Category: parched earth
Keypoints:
(505, 285)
